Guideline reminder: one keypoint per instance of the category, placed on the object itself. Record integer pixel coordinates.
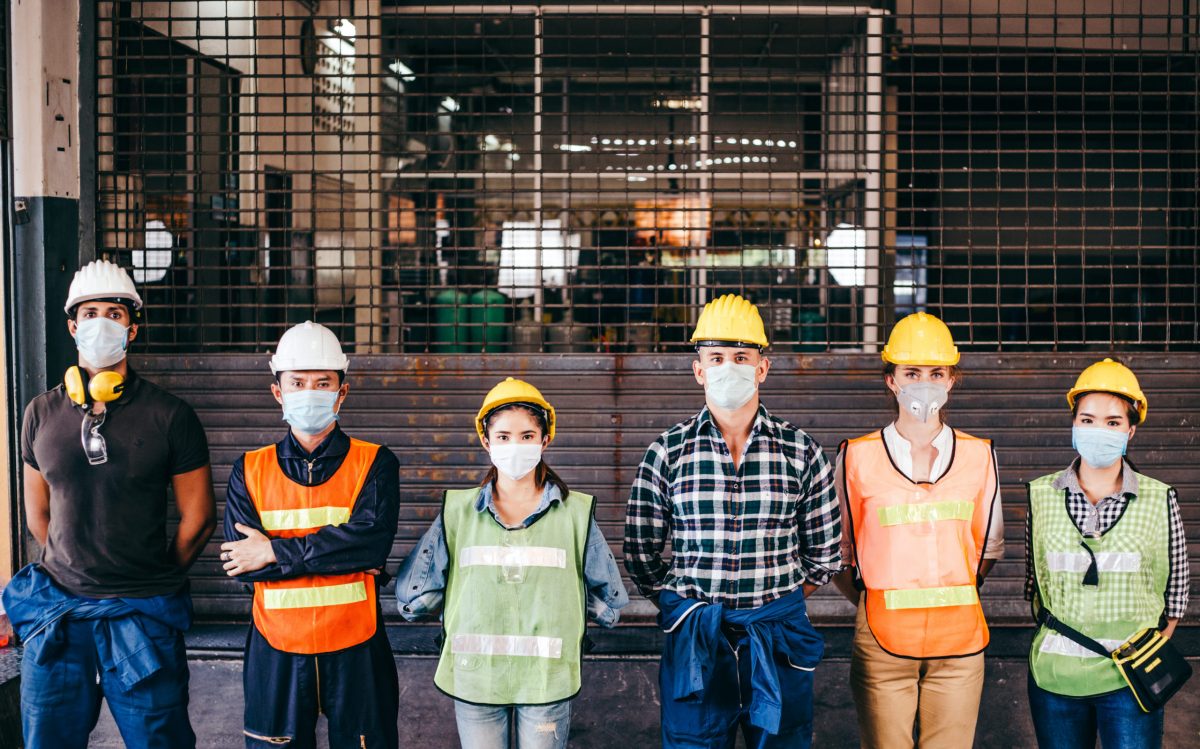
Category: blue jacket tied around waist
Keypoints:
(779, 630)
(38, 608)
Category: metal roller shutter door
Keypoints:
(612, 407)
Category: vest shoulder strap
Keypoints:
(1152, 486)
(584, 504)
(875, 436)
(262, 453)
(1043, 483)
(456, 497)
(963, 436)
(364, 445)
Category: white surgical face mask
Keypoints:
(923, 400)
(101, 342)
(516, 461)
(310, 411)
(731, 386)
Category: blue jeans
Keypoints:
(489, 727)
(1075, 722)
(713, 721)
(60, 701)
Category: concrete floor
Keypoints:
(619, 707)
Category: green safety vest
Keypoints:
(516, 604)
(1133, 561)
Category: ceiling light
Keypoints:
(573, 147)
(691, 103)
(449, 104)
(635, 178)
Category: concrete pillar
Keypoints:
(44, 49)
(45, 79)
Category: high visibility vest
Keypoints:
(516, 604)
(313, 613)
(918, 546)
(1133, 564)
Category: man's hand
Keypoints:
(248, 555)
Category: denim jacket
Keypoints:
(421, 582)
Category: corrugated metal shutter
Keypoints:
(611, 407)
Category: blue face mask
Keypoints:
(310, 411)
(101, 342)
(1099, 447)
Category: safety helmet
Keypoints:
(308, 346)
(512, 391)
(101, 279)
(921, 340)
(1113, 377)
(730, 320)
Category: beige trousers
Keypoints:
(939, 696)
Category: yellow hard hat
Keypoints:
(513, 390)
(730, 319)
(1110, 376)
(921, 340)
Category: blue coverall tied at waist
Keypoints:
(132, 640)
(779, 635)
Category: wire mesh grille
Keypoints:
(582, 178)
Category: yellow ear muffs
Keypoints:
(75, 382)
(83, 391)
(106, 386)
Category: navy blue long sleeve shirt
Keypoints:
(361, 543)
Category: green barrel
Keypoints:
(489, 321)
(450, 332)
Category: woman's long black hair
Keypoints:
(543, 474)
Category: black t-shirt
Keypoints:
(108, 523)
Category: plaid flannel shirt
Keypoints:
(743, 536)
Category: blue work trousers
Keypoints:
(60, 700)
(1075, 722)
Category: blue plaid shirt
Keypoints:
(740, 536)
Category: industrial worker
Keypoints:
(1107, 557)
(747, 502)
(310, 521)
(102, 613)
(923, 527)
(515, 566)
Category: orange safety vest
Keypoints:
(918, 546)
(313, 613)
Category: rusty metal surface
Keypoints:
(611, 407)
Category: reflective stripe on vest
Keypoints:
(925, 512)
(918, 546)
(1133, 562)
(1106, 561)
(504, 556)
(312, 613)
(1058, 644)
(516, 603)
(930, 598)
(323, 595)
(303, 518)
(517, 645)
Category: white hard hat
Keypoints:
(101, 279)
(308, 346)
